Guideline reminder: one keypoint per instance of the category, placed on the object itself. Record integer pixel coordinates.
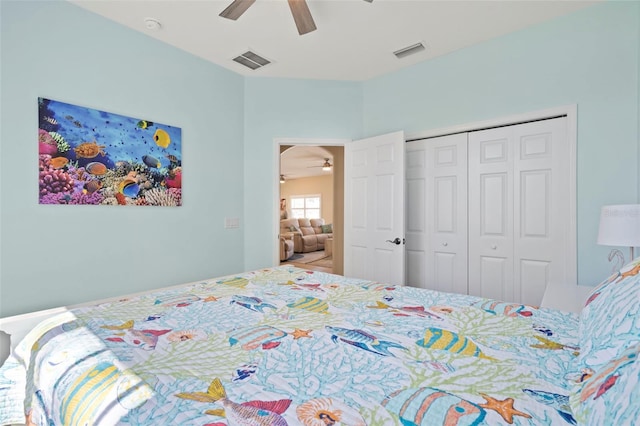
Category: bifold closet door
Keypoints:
(436, 199)
(518, 199)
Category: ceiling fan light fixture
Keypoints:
(327, 165)
(282, 179)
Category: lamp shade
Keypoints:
(620, 225)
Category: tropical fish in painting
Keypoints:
(431, 406)
(253, 303)
(559, 402)
(177, 300)
(405, 311)
(172, 159)
(244, 372)
(142, 339)
(601, 382)
(497, 307)
(50, 120)
(91, 186)
(363, 340)
(59, 162)
(129, 188)
(247, 413)
(162, 138)
(251, 338)
(445, 340)
(143, 124)
(311, 304)
(96, 168)
(151, 161)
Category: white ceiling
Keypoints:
(302, 161)
(354, 41)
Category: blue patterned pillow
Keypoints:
(609, 339)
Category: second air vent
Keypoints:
(409, 50)
(251, 60)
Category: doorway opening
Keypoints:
(310, 183)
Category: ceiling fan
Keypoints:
(326, 166)
(299, 10)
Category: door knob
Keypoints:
(445, 244)
(396, 241)
(493, 247)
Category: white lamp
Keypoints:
(620, 226)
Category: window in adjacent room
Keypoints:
(305, 206)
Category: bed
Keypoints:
(290, 346)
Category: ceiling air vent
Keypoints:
(251, 60)
(409, 50)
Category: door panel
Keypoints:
(490, 189)
(437, 213)
(374, 202)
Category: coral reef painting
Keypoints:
(87, 156)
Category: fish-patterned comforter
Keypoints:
(285, 346)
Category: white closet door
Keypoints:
(518, 210)
(437, 213)
(541, 185)
(491, 213)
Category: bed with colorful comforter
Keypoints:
(288, 346)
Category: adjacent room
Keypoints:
(319, 212)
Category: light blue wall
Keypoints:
(589, 58)
(55, 255)
(284, 108)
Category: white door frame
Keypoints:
(571, 112)
(275, 208)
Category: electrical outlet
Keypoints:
(231, 223)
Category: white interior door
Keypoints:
(491, 213)
(518, 210)
(437, 213)
(374, 208)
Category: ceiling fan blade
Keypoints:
(302, 16)
(236, 9)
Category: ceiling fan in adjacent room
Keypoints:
(299, 10)
(326, 166)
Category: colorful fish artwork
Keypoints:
(363, 340)
(88, 392)
(96, 168)
(430, 406)
(129, 188)
(252, 303)
(437, 338)
(141, 339)
(151, 161)
(311, 304)
(143, 124)
(59, 162)
(328, 411)
(252, 338)
(235, 282)
(559, 402)
(91, 186)
(248, 413)
(162, 138)
(177, 300)
(405, 311)
(497, 307)
(606, 377)
(244, 372)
